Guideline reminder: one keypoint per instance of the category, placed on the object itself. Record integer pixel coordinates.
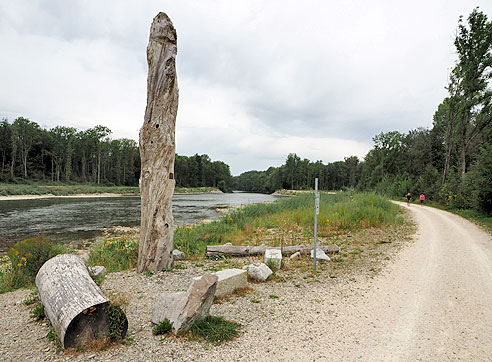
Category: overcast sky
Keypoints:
(257, 79)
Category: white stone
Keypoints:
(320, 255)
(230, 280)
(295, 256)
(178, 255)
(97, 270)
(259, 271)
(273, 257)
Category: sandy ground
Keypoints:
(430, 303)
(48, 196)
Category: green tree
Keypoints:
(25, 133)
(5, 142)
(470, 82)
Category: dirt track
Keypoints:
(433, 304)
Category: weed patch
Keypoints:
(115, 254)
(215, 330)
(164, 327)
(25, 259)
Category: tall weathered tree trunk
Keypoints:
(157, 147)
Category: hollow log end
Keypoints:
(92, 324)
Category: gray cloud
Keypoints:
(257, 79)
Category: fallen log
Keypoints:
(73, 302)
(232, 250)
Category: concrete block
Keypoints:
(230, 280)
(273, 258)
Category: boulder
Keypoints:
(178, 255)
(320, 255)
(184, 308)
(259, 271)
(273, 257)
(229, 280)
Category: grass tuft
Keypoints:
(215, 330)
(164, 327)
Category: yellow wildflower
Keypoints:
(23, 258)
(17, 252)
(327, 221)
(20, 264)
(29, 255)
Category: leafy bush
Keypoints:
(25, 259)
(116, 254)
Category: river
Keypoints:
(67, 219)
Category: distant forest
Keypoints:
(65, 154)
(450, 163)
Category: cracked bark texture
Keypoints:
(157, 148)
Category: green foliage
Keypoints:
(51, 335)
(116, 319)
(25, 259)
(338, 213)
(201, 171)
(99, 279)
(163, 327)
(115, 254)
(30, 254)
(215, 330)
(30, 300)
(479, 182)
(37, 313)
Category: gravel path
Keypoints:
(431, 302)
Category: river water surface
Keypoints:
(67, 219)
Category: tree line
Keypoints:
(450, 163)
(64, 154)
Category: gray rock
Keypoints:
(184, 308)
(320, 255)
(230, 280)
(97, 270)
(259, 271)
(178, 255)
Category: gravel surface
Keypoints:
(428, 300)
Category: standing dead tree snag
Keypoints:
(157, 147)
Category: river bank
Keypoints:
(36, 191)
(293, 302)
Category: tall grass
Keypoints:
(115, 254)
(339, 213)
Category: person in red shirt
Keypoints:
(422, 199)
